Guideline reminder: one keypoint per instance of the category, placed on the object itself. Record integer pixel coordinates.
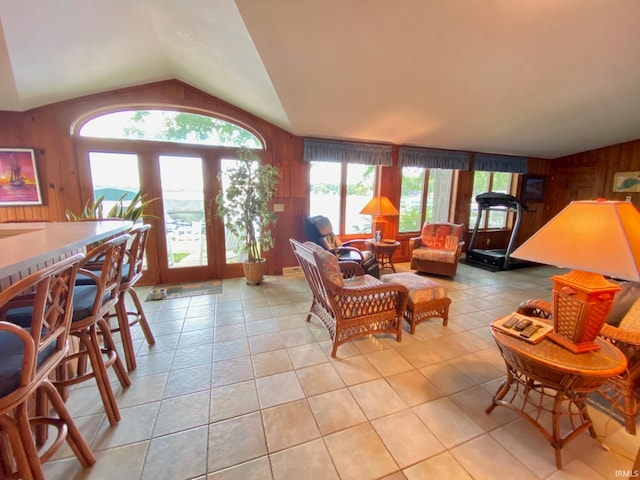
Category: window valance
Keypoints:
(433, 158)
(499, 163)
(316, 150)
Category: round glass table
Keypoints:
(545, 382)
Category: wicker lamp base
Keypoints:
(581, 304)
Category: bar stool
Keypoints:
(131, 273)
(28, 357)
(91, 306)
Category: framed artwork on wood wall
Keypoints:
(533, 187)
(19, 177)
(626, 181)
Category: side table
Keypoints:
(383, 252)
(545, 378)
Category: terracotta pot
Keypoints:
(254, 272)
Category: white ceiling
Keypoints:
(539, 78)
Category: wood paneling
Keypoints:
(589, 175)
(65, 181)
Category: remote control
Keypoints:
(511, 322)
(522, 324)
(530, 331)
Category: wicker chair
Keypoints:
(622, 391)
(438, 248)
(360, 305)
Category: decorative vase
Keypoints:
(254, 271)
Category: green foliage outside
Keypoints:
(181, 126)
(177, 256)
(411, 217)
(361, 187)
(484, 182)
(411, 188)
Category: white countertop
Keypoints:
(26, 245)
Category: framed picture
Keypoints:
(626, 181)
(533, 187)
(19, 177)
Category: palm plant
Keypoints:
(134, 211)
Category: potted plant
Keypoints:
(244, 208)
(133, 212)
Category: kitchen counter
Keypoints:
(26, 247)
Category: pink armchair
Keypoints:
(437, 249)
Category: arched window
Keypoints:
(169, 126)
(173, 157)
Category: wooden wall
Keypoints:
(48, 130)
(589, 175)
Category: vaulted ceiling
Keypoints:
(538, 78)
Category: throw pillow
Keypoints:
(631, 321)
(327, 264)
(441, 236)
(624, 299)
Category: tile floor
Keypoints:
(240, 386)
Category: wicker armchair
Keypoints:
(622, 391)
(438, 248)
(352, 307)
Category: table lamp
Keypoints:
(594, 239)
(379, 207)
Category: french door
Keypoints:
(188, 241)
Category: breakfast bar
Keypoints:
(25, 247)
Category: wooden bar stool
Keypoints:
(131, 273)
(28, 356)
(91, 306)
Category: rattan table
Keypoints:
(383, 252)
(546, 382)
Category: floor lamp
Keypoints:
(595, 239)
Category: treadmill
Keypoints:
(496, 259)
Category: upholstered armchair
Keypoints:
(348, 302)
(438, 248)
(318, 230)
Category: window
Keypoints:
(163, 125)
(425, 197)
(339, 191)
(500, 182)
(115, 178)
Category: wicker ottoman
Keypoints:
(427, 298)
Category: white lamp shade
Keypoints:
(597, 236)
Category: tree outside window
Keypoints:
(499, 182)
(168, 125)
(339, 191)
(425, 197)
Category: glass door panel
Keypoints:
(234, 253)
(114, 175)
(184, 211)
